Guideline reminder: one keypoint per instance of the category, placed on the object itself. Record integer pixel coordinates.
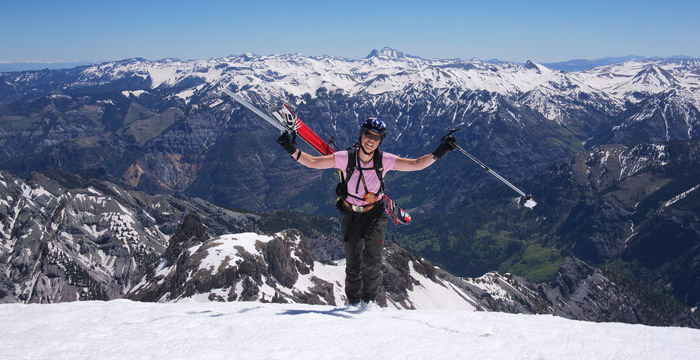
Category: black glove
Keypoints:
(447, 143)
(285, 140)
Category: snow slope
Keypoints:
(122, 329)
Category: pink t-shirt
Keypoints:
(373, 183)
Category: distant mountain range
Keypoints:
(164, 125)
(39, 65)
(568, 65)
(584, 64)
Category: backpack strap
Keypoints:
(379, 168)
(352, 160)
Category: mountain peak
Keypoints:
(386, 53)
(656, 76)
(540, 69)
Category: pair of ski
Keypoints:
(284, 119)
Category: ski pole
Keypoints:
(529, 202)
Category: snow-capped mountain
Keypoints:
(388, 71)
(383, 71)
(281, 268)
(164, 125)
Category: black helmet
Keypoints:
(375, 125)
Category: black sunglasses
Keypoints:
(370, 135)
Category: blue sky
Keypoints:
(543, 31)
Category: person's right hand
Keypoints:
(285, 140)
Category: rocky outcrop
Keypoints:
(190, 232)
(242, 267)
(69, 238)
(584, 293)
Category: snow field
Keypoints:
(122, 329)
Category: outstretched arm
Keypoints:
(447, 144)
(315, 162)
(403, 164)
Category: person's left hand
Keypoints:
(447, 143)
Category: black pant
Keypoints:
(363, 238)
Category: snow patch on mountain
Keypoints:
(430, 294)
(134, 93)
(680, 196)
(642, 156)
(224, 249)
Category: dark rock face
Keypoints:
(581, 292)
(282, 266)
(189, 233)
(570, 276)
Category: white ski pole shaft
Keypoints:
(499, 177)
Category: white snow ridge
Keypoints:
(121, 329)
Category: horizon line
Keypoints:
(93, 61)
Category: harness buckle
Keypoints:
(357, 208)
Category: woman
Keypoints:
(363, 219)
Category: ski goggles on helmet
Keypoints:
(375, 125)
(371, 135)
